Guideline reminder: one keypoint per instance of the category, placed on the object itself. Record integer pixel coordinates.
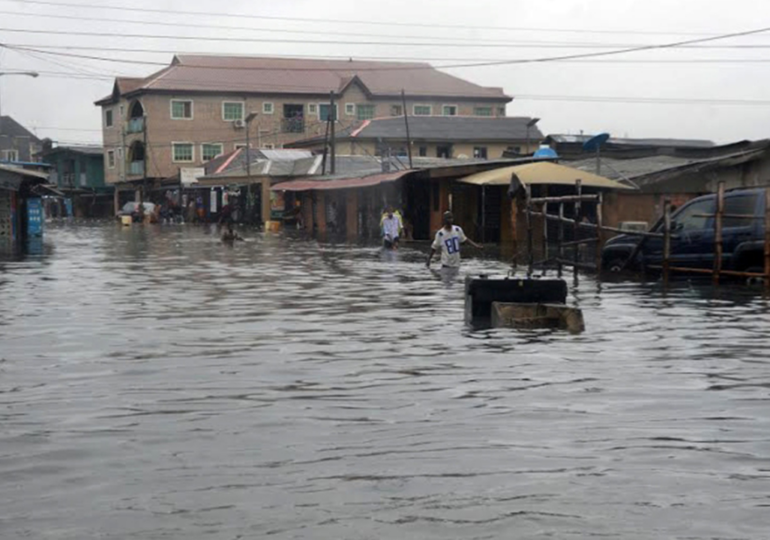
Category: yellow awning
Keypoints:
(542, 172)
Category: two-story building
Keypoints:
(17, 143)
(78, 173)
(200, 107)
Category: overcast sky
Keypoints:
(726, 76)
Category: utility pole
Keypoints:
(249, 119)
(406, 121)
(333, 117)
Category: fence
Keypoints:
(599, 230)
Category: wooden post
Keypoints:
(579, 189)
(561, 239)
(515, 231)
(666, 239)
(599, 234)
(483, 214)
(545, 237)
(718, 231)
(406, 121)
(530, 250)
(767, 239)
(333, 116)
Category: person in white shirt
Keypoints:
(391, 229)
(448, 240)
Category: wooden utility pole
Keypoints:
(666, 239)
(333, 120)
(718, 241)
(406, 121)
(579, 189)
(599, 234)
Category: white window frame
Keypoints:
(203, 156)
(111, 157)
(265, 106)
(491, 111)
(171, 108)
(7, 153)
(414, 110)
(350, 109)
(173, 153)
(312, 108)
(372, 105)
(111, 116)
(243, 110)
(457, 110)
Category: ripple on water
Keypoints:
(157, 384)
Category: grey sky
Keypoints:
(60, 107)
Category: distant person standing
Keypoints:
(391, 229)
(448, 240)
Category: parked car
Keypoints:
(693, 236)
(132, 209)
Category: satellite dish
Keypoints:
(596, 142)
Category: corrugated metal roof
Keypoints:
(542, 173)
(11, 128)
(671, 143)
(340, 183)
(439, 128)
(298, 76)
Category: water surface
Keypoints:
(155, 383)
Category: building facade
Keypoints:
(17, 143)
(204, 106)
(78, 172)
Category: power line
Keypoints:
(209, 26)
(316, 21)
(386, 58)
(420, 66)
(464, 44)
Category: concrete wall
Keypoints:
(207, 125)
(370, 148)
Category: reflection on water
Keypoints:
(155, 383)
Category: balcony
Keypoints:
(135, 125)
(136, 168)
(293, 125)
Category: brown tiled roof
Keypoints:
(260, 75)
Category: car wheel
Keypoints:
(615, 265)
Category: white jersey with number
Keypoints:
(449, 244)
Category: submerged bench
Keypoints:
(505, 315)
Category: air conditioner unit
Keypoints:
(239, 124)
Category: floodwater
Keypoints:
(157, 384)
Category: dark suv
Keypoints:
(693, 247)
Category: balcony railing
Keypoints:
(293, 125)
(136, 125)
(136, 168)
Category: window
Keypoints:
(501, 111)
(239, 145)
(232, 110)
(312, 108)
(11, 155)
(422, 110)
(740, 205)
(108, 120)
(693, 217)
(482, 111)
(324, 109)
(183, 152)
(268, 146)
(211, 150)
(449, 110)
(111, 159)
(365, 112)
(444, 151)
(181, 110)
(423, 151)
(350, 109)
(396, 110)
(267, 108)
(480, 152)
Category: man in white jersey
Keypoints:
(391, 228)
(448, 240)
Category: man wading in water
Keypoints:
(448, 240)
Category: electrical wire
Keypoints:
(316, 21)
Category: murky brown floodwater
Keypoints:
(157, 384)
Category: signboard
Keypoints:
(190, 175)
(34, 217)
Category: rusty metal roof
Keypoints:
(340, 183)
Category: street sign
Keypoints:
(34, 217)
(190, 175)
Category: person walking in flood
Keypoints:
(391, 229)
(448, 240)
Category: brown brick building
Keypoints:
(195, 109)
